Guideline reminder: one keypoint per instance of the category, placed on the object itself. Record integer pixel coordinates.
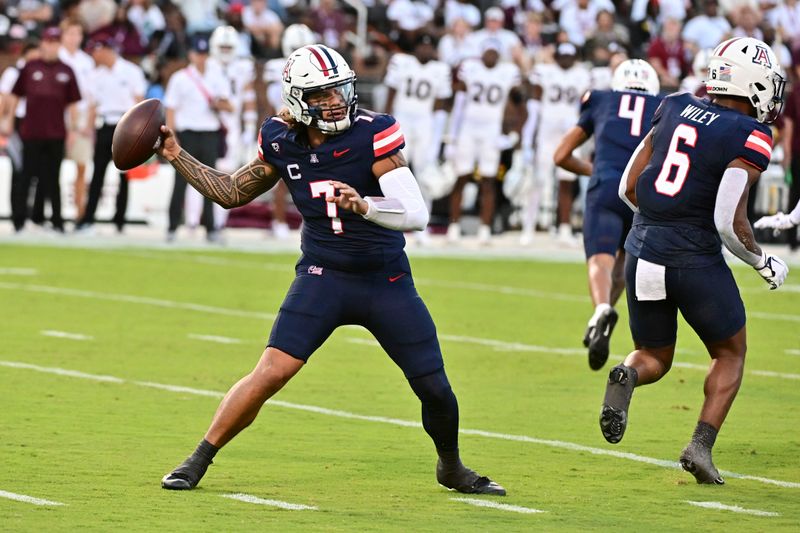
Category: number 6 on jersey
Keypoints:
(676, 158)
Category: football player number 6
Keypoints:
(676, 158)
(324, 189)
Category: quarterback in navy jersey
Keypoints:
(348, 178)
(619, 119)
(688, 182)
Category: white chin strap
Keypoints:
(333, 127)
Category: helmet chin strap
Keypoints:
(333, 127)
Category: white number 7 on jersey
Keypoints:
(634, 113)
(324, 189)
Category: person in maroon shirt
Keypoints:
(791, 145)
(668, 56)
(49, 88)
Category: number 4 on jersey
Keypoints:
(634, 113)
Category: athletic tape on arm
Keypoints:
(401, 207)
(733, 183)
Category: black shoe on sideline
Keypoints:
(467, 481)
(187, 475)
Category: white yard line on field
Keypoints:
(444, 284)
(397, 422)
(793, 352)
(66, 335)
(774, 316)
(214, 338)
(732, 508)
(763, 373)
(132, 299)
(498, 345)
(269, 316)
(499, 506)
(247, 498)
(501, 346)
(27, 499)
(18, 271)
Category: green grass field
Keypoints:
(94, 423)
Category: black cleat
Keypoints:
(598, 336)
(467, 481)
(187, 475)
(614, 416)
(696, 460)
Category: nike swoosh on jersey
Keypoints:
(392, 279)
(340, 153)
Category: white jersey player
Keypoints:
(238, 73)
(557, 91)
(419, 87)
(294, 37)
(483, 86)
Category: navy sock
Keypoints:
(439, 412)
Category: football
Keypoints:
(138, 134)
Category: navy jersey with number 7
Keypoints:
(694, 141)
(334, 238)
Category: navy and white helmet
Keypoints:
(317, 68)
(747, 67)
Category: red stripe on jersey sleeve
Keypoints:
(763, 136)
(385, 133)
(758, 148)
(389, 147)
(260, 150)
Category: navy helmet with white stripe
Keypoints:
(319, 89)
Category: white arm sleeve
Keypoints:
(794, 216)
(623, 181)
(733, 183)
(459, 102)
(439, 124)
(529, 128)
(402, 206)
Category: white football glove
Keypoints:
(528, 156)
(450, 151)
(772, 269)
(779, 221)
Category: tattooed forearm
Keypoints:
(227, 190)
(744, 232)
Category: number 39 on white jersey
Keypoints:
(417, 85)
(487, 90)
(561, 94)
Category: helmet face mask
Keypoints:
(748, 68)
(319, 89)
(635, 75)
(223, 42)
